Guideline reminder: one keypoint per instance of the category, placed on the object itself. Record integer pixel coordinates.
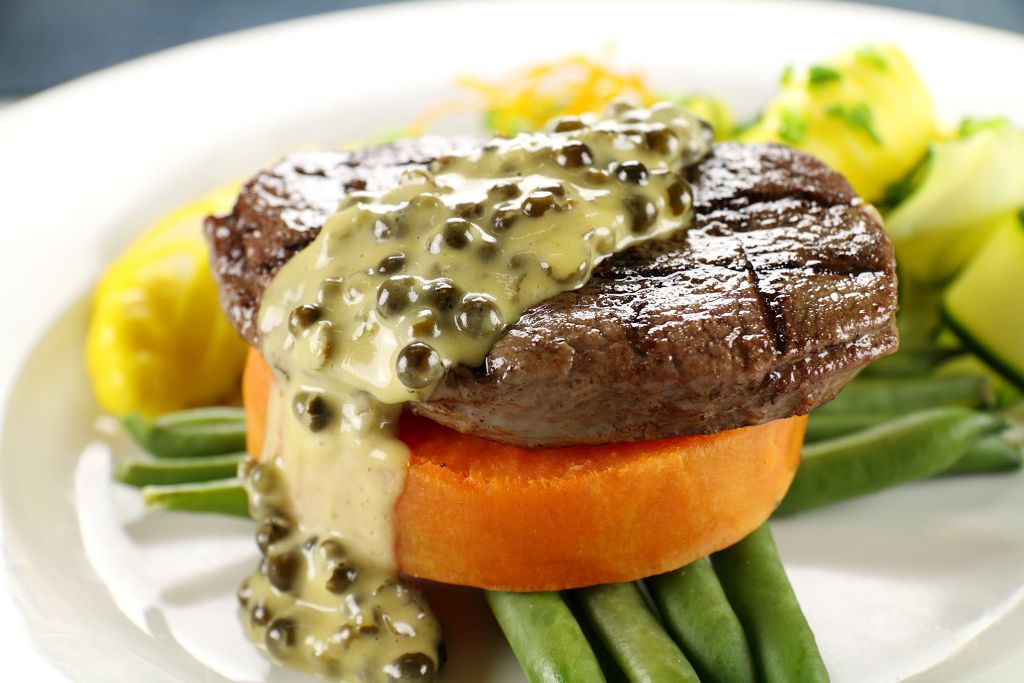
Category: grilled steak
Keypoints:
(780, 291)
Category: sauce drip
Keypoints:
(398, 287)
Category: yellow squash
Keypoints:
(157, 339)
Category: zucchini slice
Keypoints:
(970, 187)
(985, 304)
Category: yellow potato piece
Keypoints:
(157, 339)
(866, 113)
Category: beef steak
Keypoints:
(779, 293)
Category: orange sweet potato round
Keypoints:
(483, 514)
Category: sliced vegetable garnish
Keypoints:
(985, 305)
(971, 188)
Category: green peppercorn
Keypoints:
(332, 550)
(680, 197)
(396, 294)
(642, 212)
(424, 324)
(632, 172)
(457, 233)
(342, 576)
(418, 365)
(302, 317)
(469, 210)
(260, 614)
(312, 409)
(505, 189)
(413, 666)
(556, 189)
(262, 478)
(283, 569)
(244, 594)
(662, 141)
(425, 202)
(270, 532)
(478, 315)
(567, 124)
(503, 219)
(442, 294)
(487, 251)
(618, 108)
(391, 264)
(537, 203)
(281, 637)
(574, 154)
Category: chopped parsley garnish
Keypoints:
(859, 117)
(792, 127)
(787, 73)
(969, 126)
(871, 55)
(820, 74)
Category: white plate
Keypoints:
(923, 583)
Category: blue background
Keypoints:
(45, 42)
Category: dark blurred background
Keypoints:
(46, 42)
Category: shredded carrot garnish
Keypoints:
(527, 99)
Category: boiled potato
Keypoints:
(866, 113)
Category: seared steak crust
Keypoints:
(782, 289)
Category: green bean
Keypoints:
(892, 397)
(698, 615)
(631, 632)
(781, 641)
(225, 496)
(902, 450)
(869, 402)
(545, 637)
(821, 427)
(190, 433)
(612, 672)
(908, 363)
(992, 453)
(184, 471)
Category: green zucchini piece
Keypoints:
(985, 305)
(972, 185)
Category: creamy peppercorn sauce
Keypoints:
(398, 287)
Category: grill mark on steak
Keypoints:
(780, 291)
(767, 305)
